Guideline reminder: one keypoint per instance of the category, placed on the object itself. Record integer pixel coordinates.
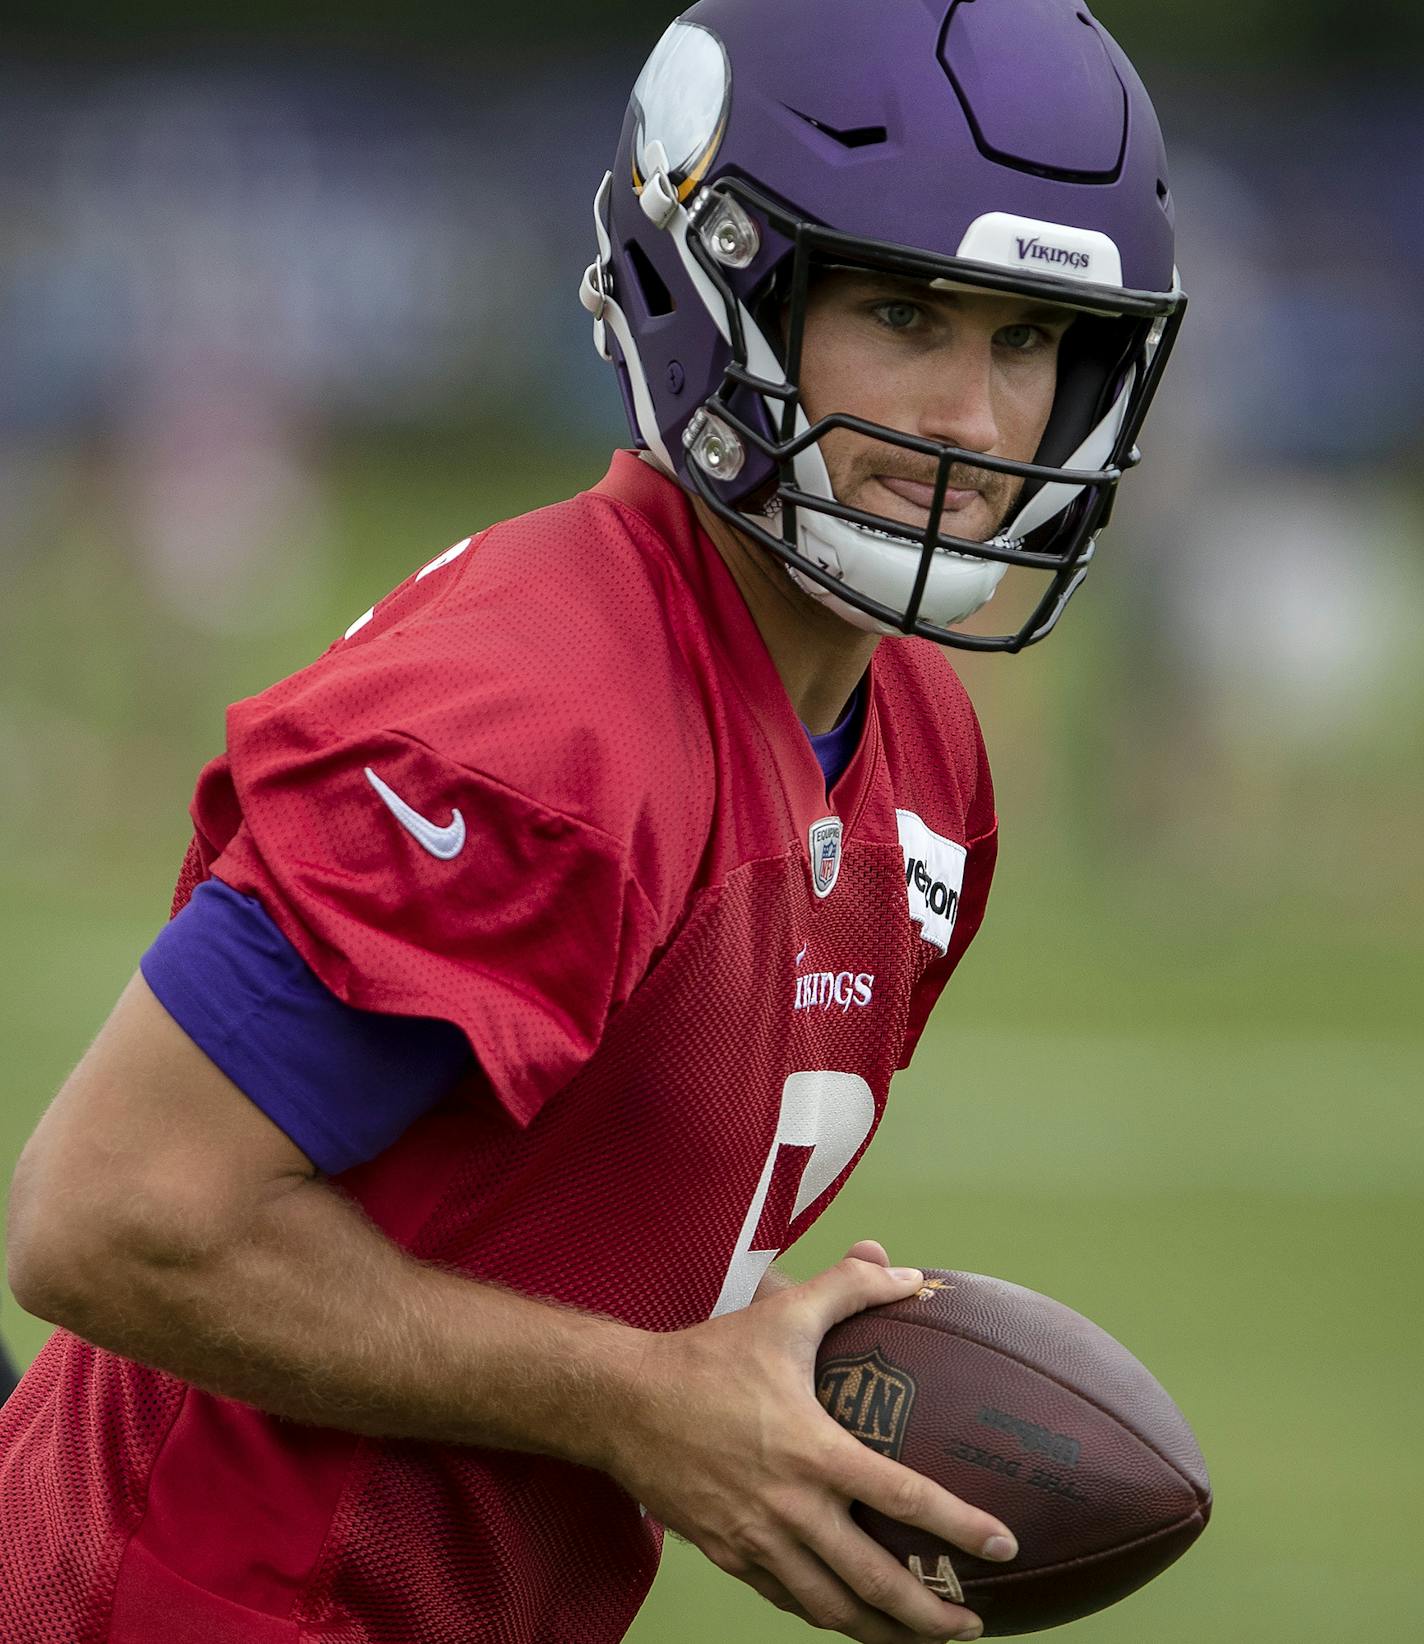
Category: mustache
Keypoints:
(963, 476)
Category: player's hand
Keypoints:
(726, 1444)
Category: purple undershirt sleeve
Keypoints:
(342, 1083)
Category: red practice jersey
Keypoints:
(553, 790)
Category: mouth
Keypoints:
(922, 496)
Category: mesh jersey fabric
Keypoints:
(686, 1049)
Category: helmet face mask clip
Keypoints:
(715, 274)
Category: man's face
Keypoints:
(970, 369)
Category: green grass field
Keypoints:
(1190, 1110)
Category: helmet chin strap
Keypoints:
(883, 568)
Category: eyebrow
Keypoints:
(1048, 313)
(921, 290)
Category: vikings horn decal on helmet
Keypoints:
(680, 102)
(1005, 146)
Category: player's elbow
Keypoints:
(37, 1278)
(40, 1265)
(32, 1267)
(144, 1180)
(77, 1249)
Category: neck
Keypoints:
(820, 658)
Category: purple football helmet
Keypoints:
(1004, 146)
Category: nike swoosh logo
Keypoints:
(444, 842)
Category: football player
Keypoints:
(545, 950)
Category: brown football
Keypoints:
(1030, 1411)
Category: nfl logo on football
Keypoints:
(825, 854)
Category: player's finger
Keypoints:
(849, 1287)
(869, 1250)
(774, 1593)
(824, 1600)
(877, 1576)
(911, 1498)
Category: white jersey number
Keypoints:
(824, 1119)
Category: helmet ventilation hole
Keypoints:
(847, 137)
(652, 288)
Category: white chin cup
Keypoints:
(885, 568)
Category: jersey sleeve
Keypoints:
(525, 940)
(369, 804)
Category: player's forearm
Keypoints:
(318, 1317)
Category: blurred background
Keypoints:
(287, 304)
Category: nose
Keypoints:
(957, 395)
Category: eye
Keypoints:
(1022, 339)
(897, 315)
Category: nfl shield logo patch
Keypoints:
(825, 854)
(871, 1397)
